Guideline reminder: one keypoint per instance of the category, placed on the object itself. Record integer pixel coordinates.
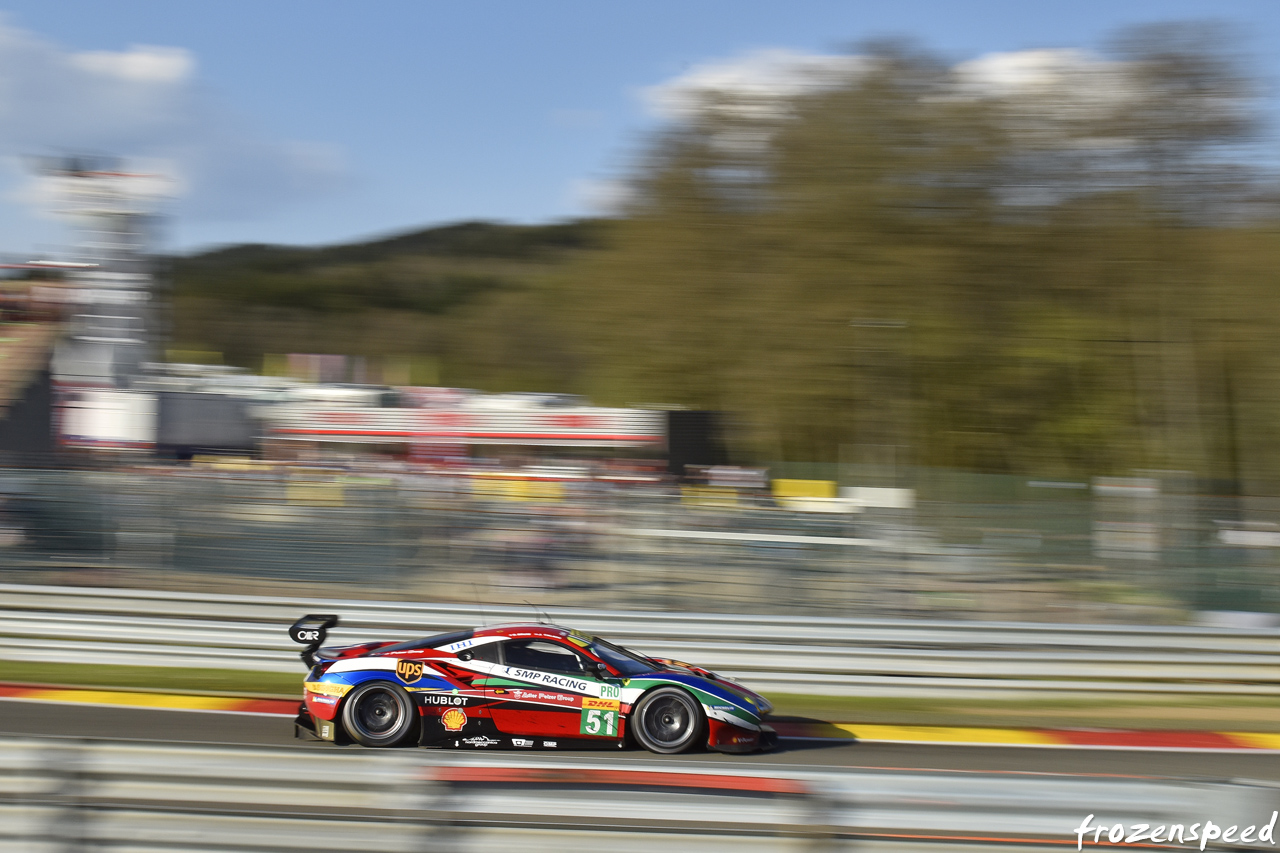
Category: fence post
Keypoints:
(69, 817)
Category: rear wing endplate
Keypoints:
(310, 631)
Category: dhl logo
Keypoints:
(602, 704)
(409, 670)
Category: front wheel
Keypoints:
(378, 713)
(668, 721)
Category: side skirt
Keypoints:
(481, 733)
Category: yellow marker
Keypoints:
(1256, 740)
(138, 700)
(947, 734)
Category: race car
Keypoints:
(519, 686)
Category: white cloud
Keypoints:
(1053, 98)
(758, 83)
(142, 63)
(755, 84)
(1023, 71)
(1064, 79)
(1049, 96)
(145, 105)
(600, 196)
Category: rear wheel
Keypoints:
(668, 721)
(378, 713)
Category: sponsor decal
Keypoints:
(610, 691)
(325, 688)
(723, 708)
(544, 696)
(466, 644)
(599, 723)
(480, 741)
(453, 720)
(444, 699)
(565, 681)
(325, 700)
(519, 741)
(550, 744)
(602, 704)
(409, 670)
(326, 731)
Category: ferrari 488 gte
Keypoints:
(519, 687)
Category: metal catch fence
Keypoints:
(968, 548)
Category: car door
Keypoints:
(453, 704)
(543, 692)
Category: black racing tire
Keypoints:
(668, 720)
(379, 713)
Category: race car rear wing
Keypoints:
(311, 630)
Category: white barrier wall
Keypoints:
(62, 794)
(774, 654)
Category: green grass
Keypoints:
(1244, 713)
(1212, 712)
(155, 678)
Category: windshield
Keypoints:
(625, 662)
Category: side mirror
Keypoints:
(598, 669)
(465, 655)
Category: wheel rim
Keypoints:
(378, 713)
(668, 721)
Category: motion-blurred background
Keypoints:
(879, 332)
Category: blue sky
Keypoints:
(314, 122)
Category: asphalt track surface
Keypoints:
(44, 719)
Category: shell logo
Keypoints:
(453, 719)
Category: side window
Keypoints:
(487, 652)
(544, 655)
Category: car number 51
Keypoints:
(599, 723)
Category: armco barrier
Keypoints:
(104, 795)
(818, 655)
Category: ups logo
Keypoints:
(409, 670)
